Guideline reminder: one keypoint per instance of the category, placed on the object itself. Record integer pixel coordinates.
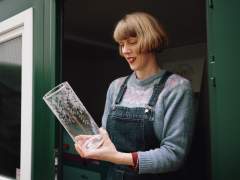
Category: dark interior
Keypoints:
(90, 56)
(10, 106)
(90, 59)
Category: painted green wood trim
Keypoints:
(212, 89)
(44, 127)
(58, 72)
(43, 77)
(223, 40)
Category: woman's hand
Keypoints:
(106, 152)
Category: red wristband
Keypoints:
(135, 160)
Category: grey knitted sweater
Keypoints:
(173, 122)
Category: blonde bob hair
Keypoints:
(149, 32)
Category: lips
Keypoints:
(130, 59)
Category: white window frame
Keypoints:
(15, 26)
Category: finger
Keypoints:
(80, 150)
(103, 132)
(80, 142)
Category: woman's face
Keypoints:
(129, 47)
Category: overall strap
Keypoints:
(122, 91)
(158, 89)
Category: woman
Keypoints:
(148, 115)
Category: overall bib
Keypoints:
(131, 129)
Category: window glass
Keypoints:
(10, 106)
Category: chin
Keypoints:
(132, 67)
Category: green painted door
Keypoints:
(224, 86)
(44, 78)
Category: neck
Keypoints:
(150, 69)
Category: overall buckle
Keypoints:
(148, 108)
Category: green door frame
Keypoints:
(224, 87)
(44, 78)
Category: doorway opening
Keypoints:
(90, 62)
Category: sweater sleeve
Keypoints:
(176, 133)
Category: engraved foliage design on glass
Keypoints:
(70, 111)
(65, 104)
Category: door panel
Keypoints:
(223, 52)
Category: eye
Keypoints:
(121, 45)
(132, 41)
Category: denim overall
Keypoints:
(131, 129)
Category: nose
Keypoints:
(126, 49)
